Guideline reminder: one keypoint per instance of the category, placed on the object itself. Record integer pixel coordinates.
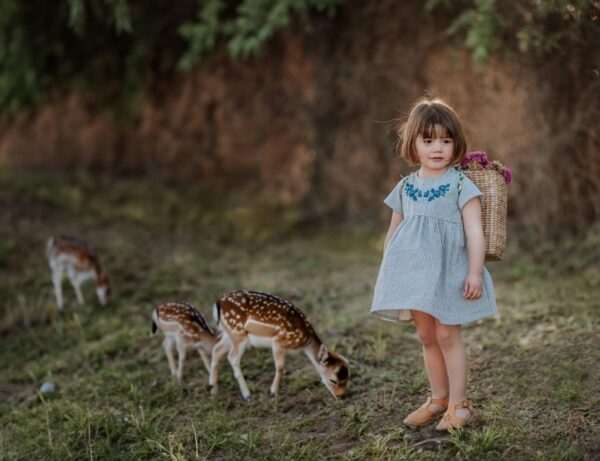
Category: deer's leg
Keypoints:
(204, 357)
(279, 357)
(217, 353)
(57, 282)
(235, 357)
(181, 351)
(76, 283)
(168, 344)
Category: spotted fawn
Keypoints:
(76, 259)
(186, 328)
(265, 320)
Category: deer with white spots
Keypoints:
(76, 259)
(186, 328)
(265, 320)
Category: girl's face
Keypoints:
(434, 153)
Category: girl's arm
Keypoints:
(397, 218)
(471, 214)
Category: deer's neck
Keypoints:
(312, 349)
(99, 275)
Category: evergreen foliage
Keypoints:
(116, 47)
(45, 46)
(252, 23)
(536, 26)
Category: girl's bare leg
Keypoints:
(432, 356)
(455, 358)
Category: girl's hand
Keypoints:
(473, 286)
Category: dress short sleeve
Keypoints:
(467, 192)
(394, 199)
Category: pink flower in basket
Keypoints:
(478, 160)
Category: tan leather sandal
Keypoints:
(451, 421)
(423, 415)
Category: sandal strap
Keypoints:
(450, 413)
(443, 401)
(464, 404)
(430, 400)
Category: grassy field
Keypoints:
(534, 370)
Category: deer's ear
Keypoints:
(323, 354)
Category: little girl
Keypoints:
(432, 270)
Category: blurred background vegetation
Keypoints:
(95, 42)
(287, 97)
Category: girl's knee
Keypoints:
(447, 336)
(427, 336)
(425, 327)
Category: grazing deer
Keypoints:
(266, 320)
(77, 259)
(184, 327)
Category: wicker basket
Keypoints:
(493, 210)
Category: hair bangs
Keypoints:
(435, 125)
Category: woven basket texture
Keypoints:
(493, 210)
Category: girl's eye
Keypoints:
(427, 141)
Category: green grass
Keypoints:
(534, 374)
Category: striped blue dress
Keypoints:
(425, 262)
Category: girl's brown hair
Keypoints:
(424, 117)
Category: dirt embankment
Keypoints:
(307, 121)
